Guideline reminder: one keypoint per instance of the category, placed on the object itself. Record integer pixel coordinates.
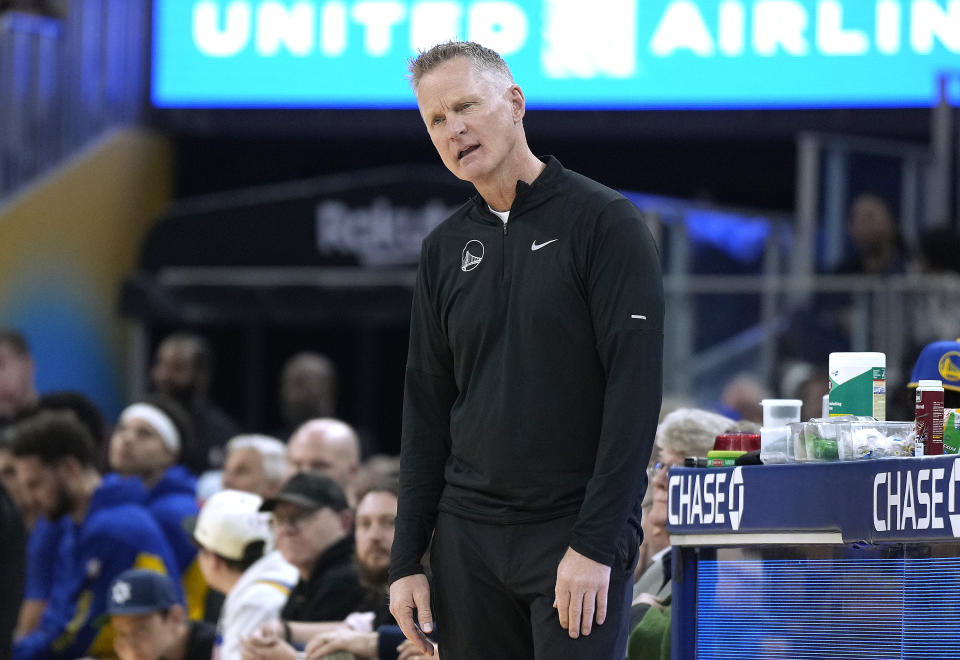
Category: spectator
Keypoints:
(150, 623)
(308, 390)
(684, 432)
(17, 391)
(47, 540)
(183, 369)
(328, 446)
(742, 396)
(368, 635)
(312, 521)
(56, 463)
(150, 437)
(234, 538)
(12, 552)
(877, 246)
(255, 464)
(940, 360)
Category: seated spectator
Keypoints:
(150, 437)
(877, 248)
(183, 369)
(150, 623)
(48, 540)
(328, 446)
(56, 462)
(684, 432)
(255, 464)
(17, 391)
(234, 538)
(940, 360)
(12, 550)
(308, 390)
(312, 522)
(741, 398)
(369, 633)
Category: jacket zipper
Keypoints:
(503, 253)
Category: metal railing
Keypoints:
(64, 82)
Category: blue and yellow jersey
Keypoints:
(118, 533)
(171, 501)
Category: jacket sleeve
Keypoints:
(429, 394)
(78, 628)
(625, 295)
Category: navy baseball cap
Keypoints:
(141, 592)
(939, 360)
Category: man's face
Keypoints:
(137, 449)
(306, 391)
(44, 487)
(472, 117)
(174, 372)
(312, 452)
(143, 636)
(658, 511)
(244, 471)
(16, 381)
(8, 477)
(376, 514)
(304, 534)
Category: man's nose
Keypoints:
(456, 126)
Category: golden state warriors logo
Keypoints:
(472, 255)
(949, 367)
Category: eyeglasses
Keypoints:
(297, 520)
(654, 469)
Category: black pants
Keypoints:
(493, 592)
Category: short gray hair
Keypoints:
(481, 57)
(691, 431)
(273, 454)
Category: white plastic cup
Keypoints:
(780, 412)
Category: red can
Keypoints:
(930, 417)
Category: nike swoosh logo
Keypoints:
(534, 246)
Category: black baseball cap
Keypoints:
(310, 490)
(139, 591)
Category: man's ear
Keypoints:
(176, 613)
(518, 103)
(346, 519)
(68, 468)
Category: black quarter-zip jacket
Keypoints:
(534, 372)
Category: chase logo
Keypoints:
(471, 256)
(949, 366)
(705, 497)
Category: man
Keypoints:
(234, 537)
(308, 389)
(147, 443)
(112, 532)
(17, 391)
(255, 464)
(312, 522)
(328, 446)
(183, 369)
(12, 569)
(150, 623)
(532, 388)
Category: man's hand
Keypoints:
(361, 644)
(260, 647)
(409, 594)
(581, 592)
(409, 651)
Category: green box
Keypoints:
(951, 431)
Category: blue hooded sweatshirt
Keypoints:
(117, 533)
(171, 502)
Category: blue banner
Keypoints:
(566, 54)
(866, 501)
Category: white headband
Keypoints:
(159, 420)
